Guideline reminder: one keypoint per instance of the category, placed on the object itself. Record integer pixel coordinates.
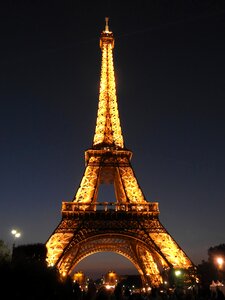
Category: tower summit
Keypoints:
(129, 225)
(108, 131)
(106, 24)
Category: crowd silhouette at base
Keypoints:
(25, 275)
(35, 282)
(156, 294)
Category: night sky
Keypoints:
(169, 60)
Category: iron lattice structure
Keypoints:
(130, 225)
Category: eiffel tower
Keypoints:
(129, 225)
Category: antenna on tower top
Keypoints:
(107, 24)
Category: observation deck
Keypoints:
(74, 208)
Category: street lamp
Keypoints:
(220, 262)
(179, 278)
(16, 235)
(178, 273)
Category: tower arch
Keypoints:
(131, 247)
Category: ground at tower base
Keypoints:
(114, 287)
(26, 270)
(120, 293)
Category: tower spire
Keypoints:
(108, 132)
(106, 24)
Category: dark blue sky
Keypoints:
(170, 73)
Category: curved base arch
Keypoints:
(144, 258)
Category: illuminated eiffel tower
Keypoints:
(128, 226)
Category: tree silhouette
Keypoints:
(27, 276)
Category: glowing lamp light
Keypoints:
(108, 287)
(178, 273)
(16, 233)
(220, 262)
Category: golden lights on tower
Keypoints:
(108, 131)
(139, 235)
